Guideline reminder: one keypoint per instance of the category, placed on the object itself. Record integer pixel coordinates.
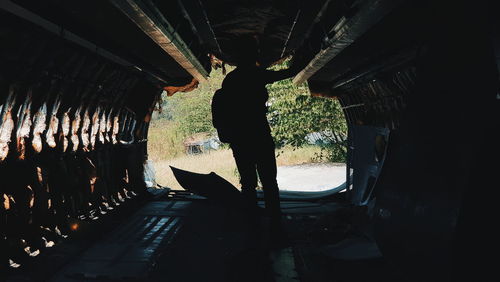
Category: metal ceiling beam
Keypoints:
(347, 32)
(198, 18)
(51, 27)
(304, 25)
(152, 23)
(285, 45)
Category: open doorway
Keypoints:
(309, 133)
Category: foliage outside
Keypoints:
(222, 163)
(180, 116)
(293, 114)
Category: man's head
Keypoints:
(246, 51)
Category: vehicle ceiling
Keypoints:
(206, 27)
(279, 26)
(332, 33)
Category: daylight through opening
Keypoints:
(309, 132)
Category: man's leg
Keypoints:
(266, 167)
(245, 162)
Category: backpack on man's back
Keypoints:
(223, 116)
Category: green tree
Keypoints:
(294, 114)
(192, 110)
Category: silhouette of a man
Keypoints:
(239, 115)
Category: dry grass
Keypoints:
(295, 156)
(164, 141)
(222, 163)
(165, 149)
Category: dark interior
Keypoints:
(418, 82)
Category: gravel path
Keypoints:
(311, 177)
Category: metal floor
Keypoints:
(129, 251)
(171, 238)
(141, 249)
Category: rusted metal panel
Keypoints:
(347, 30)
(7, 125)
(23, 125)
(69, 149)
(161, 32)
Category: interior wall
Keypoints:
(433, 204)
(427, 220)
(73, 132)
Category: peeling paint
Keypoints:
(23, 125)
(6, 125)
(39, 174)
(116, 128)
(39, 127)
(102, 127)
(108, 130)
(84, 135)
(75, 125)
(53, 125)
(5, 135)
(65, 127)
(94, 127)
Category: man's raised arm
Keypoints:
(295, 67)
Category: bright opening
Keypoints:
(309, 133)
